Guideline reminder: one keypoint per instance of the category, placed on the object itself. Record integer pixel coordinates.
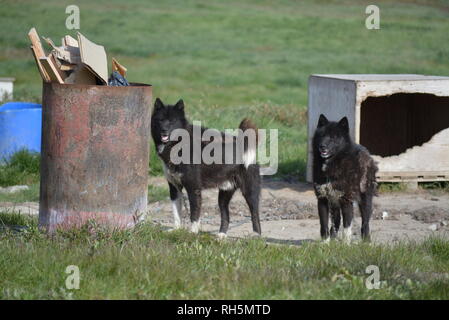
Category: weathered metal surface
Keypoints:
(94, 155)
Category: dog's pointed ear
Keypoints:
(322, 121)
(158, 104)
(344, 124)
(180, 105)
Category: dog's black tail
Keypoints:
(249, 137)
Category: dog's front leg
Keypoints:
(347, 213)
(323, 212)
(335, 219)
(176, 201)
(195, 208)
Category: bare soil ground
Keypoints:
(289, 215)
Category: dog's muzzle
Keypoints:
(165, 138)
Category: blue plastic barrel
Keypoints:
(20, 128)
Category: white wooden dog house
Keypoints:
(402, 119)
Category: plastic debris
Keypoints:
(117, 80)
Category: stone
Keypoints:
(13, 189)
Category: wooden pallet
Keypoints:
(413, 176)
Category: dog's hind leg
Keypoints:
(176, 200)
(323, 212)
(366, 209)
(336, 218)
(347, 212)
(251, 192)
(224, 197)
(195, 208)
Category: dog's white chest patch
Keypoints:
(172, 176)
(326, 190)
(160, 148)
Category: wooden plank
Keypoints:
(55, 64)
(51, 70)
(69, 41)
(38, 52)
(118, 67)
(41, 69)
(413, 173)
(67, 67)
(412, 178)
(36, 43)
(68, 54)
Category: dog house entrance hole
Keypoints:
(389, 125)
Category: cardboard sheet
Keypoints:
(93, 56)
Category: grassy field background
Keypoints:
(227, 60)
(232, 59)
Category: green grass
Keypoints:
(148, 263)
(227, 60)
(392, 187)
(20, 169)
(15, 218)
(436, 186)
(156, 193)
(234, 59)
(30, 195)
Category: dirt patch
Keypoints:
(289, 215)
(431, 214)
(31, 208)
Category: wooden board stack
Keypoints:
(76, 61)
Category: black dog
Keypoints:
(343, 172)
(240, 172)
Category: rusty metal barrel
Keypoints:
(94, 155)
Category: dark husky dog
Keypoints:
(343, 172)
(226, 176)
